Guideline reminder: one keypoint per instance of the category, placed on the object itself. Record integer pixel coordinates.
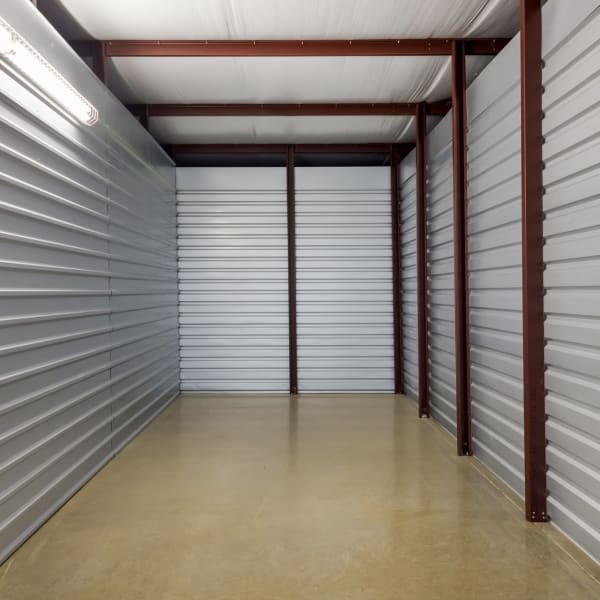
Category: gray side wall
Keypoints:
(88, 304)
(571, 102)
(494, 263)
(408, 273)
(440, 274)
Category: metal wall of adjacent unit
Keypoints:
(571, 103)
(494, 264)
(440, 274)
(233, 278)
(143, 285)
(88, 314)
(344, 279)
(408, 257)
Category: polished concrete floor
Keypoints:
(263, 498)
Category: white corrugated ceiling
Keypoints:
(288, 79)
(293, 19)
(298, 130)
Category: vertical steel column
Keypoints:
(99, 61)
(291, 222)
(145, 116)
(533, 260)
(422, 264)
(396, 275)
(95, 51)
(461, 310)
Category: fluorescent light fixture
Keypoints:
(16, 51)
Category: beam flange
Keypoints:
(533, 260)
(275, 48)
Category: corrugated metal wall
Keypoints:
(88, 314)
(344, 279)
(233, 275)
(440, 274)
(571, 103)
(143, 290)
(494, 261)
(408, 257)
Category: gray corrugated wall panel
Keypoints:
(344, 279)
(440, 274)
(494, 261)
(571, 78)
(408, 258)
(76, 379)
(233, 302)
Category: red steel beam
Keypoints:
(300, 109)
(482, 46)
(140, 112)
(145, 117)
(177, 149)
(361, 47)
(278, 110)
(291, 229)
(93, 50)
(366, 148)
(396, 274)
(439, 108)
(533, 260)
(422, 265)
(461, 311)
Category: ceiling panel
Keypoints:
(156, 80)
(285, 19)
(259, 79)
(289, 130)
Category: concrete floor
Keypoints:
(263, 498)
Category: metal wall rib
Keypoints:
(408, 257)
(88, 351)
(344, 279)
(440, 274)
(571, 103)
(494, 263)
(232, 233)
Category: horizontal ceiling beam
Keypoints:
(370, 47)
(279, 110)
(372, 148)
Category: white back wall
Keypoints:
(344, 279)
(233, 279)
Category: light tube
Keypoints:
(15, 50)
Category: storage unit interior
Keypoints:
(299, 299)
